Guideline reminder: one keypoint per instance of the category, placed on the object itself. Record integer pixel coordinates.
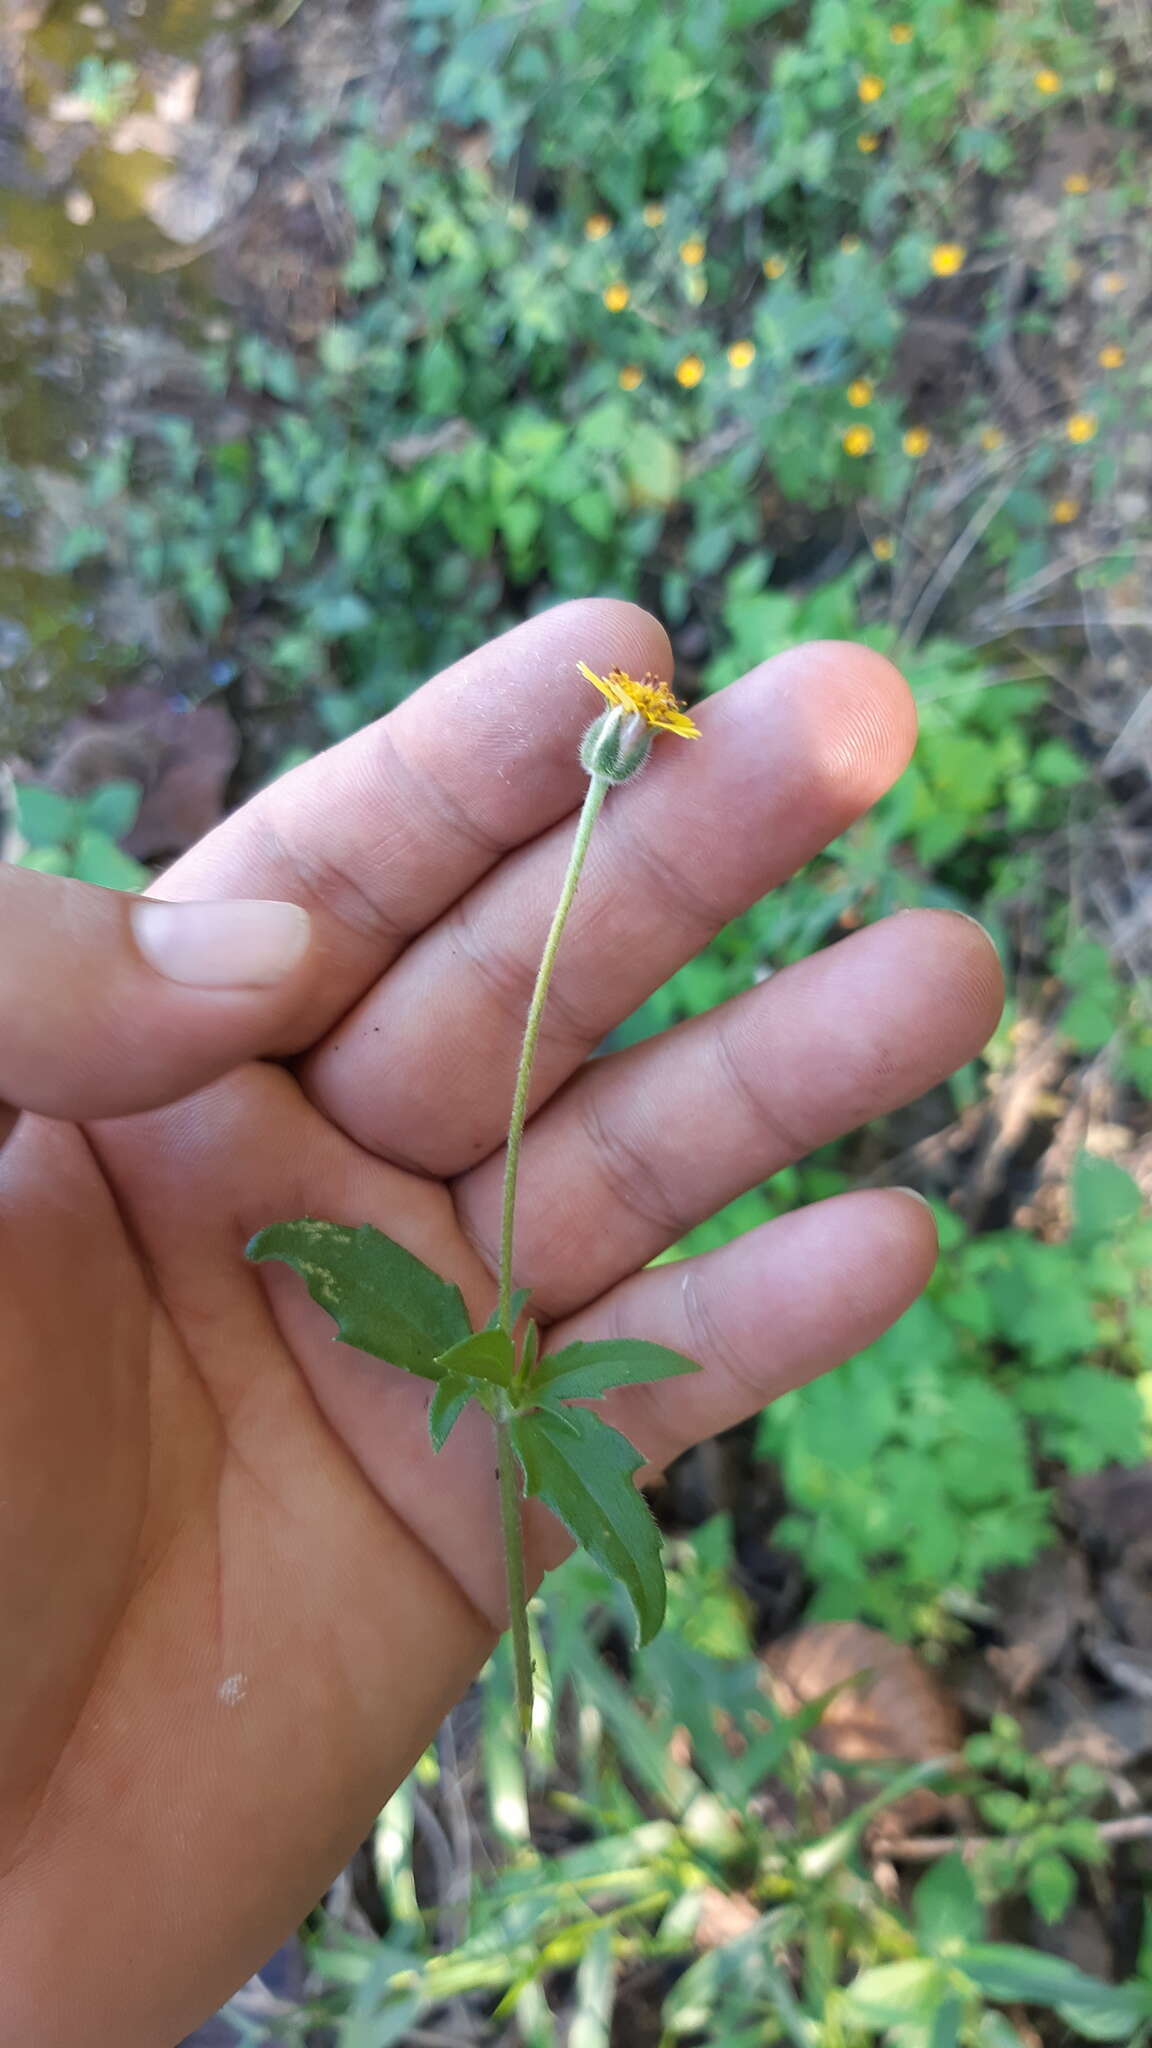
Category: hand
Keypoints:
(239, 1591)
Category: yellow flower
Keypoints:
(883, 547)
(653, 214)
(947, 258)
(1047, 80)
(867, 143)
(1113, 357)
(596, 227)
(849, 244)
(859, 392)
(631, 377)
(1076, 182)
(900, 32)
(1113, 281)
(692, 251)
(869, 88)
(858, 441)
(689, 371)
(1063, 511)
(650, 699)
(616, 297)
(917, 441)
(1081, 426)
(774, 266)
(991, 438)
(742, 354)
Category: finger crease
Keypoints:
(630, 1178)
(792, 1143)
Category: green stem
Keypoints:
(506, 1463)
(517, 1588)
(592, 802)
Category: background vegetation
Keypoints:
(787, 322)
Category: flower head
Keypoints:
(616, 297)
(859, 391)
(858, 441)
(653, 214)
(991, 438)
(947, 258)
(850, 244)
(742, 354)
(900, 32)
(883, 547)
(1076, 182)
(1063, 511)
(1112, 281)
(917, 441)
(867, 142)
(596, 227)
(1113, 357)
(1081, 426)
(869, 88)
(774, 266)
(649, 699)
(1046, 80)
(689, 372)
(692, 251)
(631, 377)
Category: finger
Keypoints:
(112, 1003)
(644, 1144)
(379, 835)
(764, 1314)
(422, 1071)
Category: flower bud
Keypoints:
(616, 745)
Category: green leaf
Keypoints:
(488, 1355)
(896, 1991)
(448, 1403)
(381, 1298)
(584, 1371)
(945, 1906)
(1051, 1887)
(583, 1470)
(1103, 1196)
(1002, 1970)
(112, 808)
(44, 816)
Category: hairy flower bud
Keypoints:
(616, 745)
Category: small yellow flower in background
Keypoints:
(1113, 281)
(900, 32)
(917, 441)
(689, 371)
(1076, 182)
(1047, 80)
(692, 251)
(1073, 270)
(596, 227)
(1063, 511)
(650, 698)
(947, 258)
(991, 438)
(859, 391)
(849, 244)
(867, 143)
(631, 377)
(616, 297)
(1113, 357)
(742, 354)
(653, 214)
(858, 441)
(883, 547)
(1081, 426)
(869, 88)
(774, 266)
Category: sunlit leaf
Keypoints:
(381, 1298)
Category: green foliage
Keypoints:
(387, 1302)
(76, 836)
(913, 1471)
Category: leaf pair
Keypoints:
(387, 1302)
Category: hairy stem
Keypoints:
(506, 1463)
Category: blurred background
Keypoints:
(337, 335)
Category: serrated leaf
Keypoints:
(583, 1471)
(486, 1355)
(581, 1372)
(448, 1403)
(381, 1298)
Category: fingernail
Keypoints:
(916, 1197)
(221, 945)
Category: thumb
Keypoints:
(111, 1003)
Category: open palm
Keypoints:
(239, 1589)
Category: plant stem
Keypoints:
(514, 1567)
(596, 791)
(506, 1463)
